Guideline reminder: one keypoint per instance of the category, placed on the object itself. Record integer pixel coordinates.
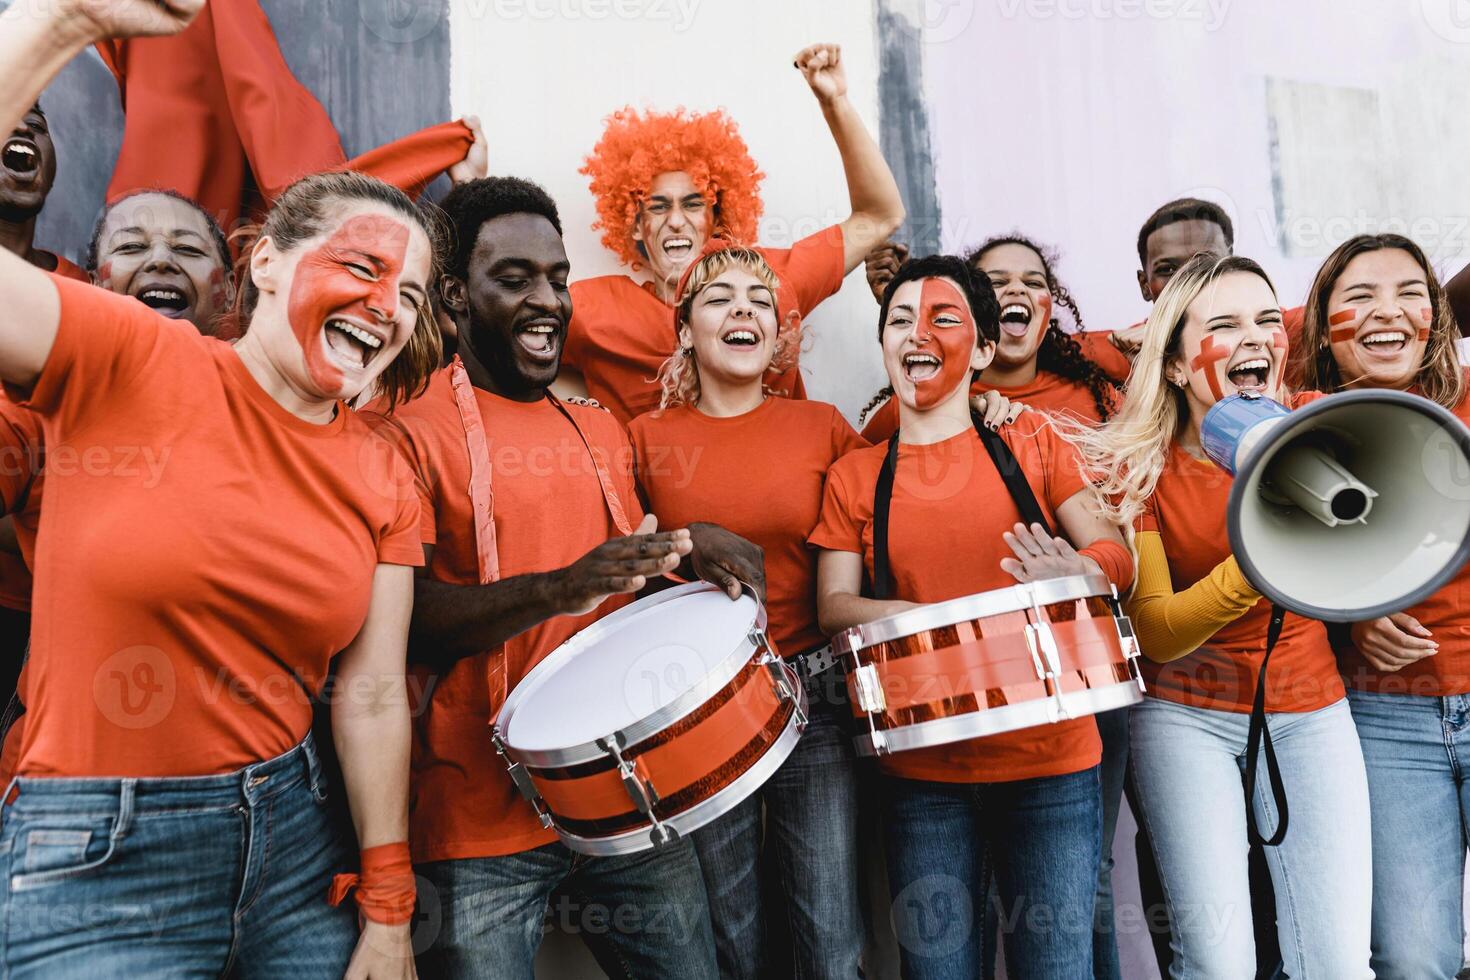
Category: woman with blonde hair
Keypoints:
(234, 529)
(1216, 330)
(1377, 317)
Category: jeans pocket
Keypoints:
(52, 851)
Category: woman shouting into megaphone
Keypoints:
(1378, 318)
(1216, 330)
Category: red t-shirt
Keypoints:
(1046, 392)
(759, 475)
(948, 512)
(21, 450)
(1188, 510)
(548, 511)
(1098, 348)
(205, 554)
(1446, 614)
(621, 332)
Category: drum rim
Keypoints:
(978, 724)
(706, 811)
(715, 681)
(1012, 598)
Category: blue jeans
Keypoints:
(188, 877)
(1187, 765)
(1414, 746)
(1041, 840)
(811, 822)
(1113, 727)
(644, 915)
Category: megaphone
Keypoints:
(1354, 506)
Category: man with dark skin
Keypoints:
(27, 172)
(520, 559)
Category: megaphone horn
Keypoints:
(1340, 511)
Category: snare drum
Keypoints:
(652, 721)
(999, 661)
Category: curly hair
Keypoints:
(1059, 353)
(469, 205)
(635, 148)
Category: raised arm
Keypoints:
(877, 208)
(36, 41)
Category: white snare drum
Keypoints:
(994, 662)
(653, 721)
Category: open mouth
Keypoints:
(1015, 320)
(351, 343)
(678, 248)
(21, 156)
(920, 366)
(1385, 341)
(167, 300)
(539, 340)
(741, 337)
(1250, 375)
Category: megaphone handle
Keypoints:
(1257, 733)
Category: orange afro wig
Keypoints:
(635, 149)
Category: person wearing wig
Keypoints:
(1214, 331)
(667, 182)
(1376, 317)
(1025, 806)
(135, 782)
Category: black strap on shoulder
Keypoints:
(1259, 733)
(1005, 463)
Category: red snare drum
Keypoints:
(653, 721)
(995, 662)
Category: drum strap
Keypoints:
(1257, 734)
(1005, 463)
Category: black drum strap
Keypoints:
(1005, 463)
(1259, 732)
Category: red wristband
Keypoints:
(385, 885)
(1115, 560)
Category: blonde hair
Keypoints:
(1127, 456)
(679, 375)
(1440, 377)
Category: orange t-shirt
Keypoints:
(1446, 614)
(70, 270)
(1188, 509)
(20, 493)
(205, 554)
(759, 475)
(549, 511)
(1101, 351)
(948, 512)
(621, 332)
(1047, 392)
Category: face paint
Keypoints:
(1210, 353)
(324, 286)
(1344, 326)
(1427, 316)
(104, 275)
(217, 291)
(939, 298)
(1281, 344)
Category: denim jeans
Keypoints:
(188, 877)
(1413, 746)
(1187, 765)
(1113, 727)
(1041, 840)
(644, 915)
(811, 823)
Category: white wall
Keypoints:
(543, 74)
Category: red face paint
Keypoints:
(1281, 343)
(1343, 326)
(1210, 353)
(104, 275)
(217, 292)
(1427, 316)
(1423, 334)
(939, 299)
(325, 286)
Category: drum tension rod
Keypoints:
(521, 778)
(783, 675)
(1131, 649)
(1045, 657)
(867, 687)
(639, 790)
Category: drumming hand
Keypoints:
(726, 559)
(1039, 556)
(620, 565)
(996, 409)
(881, 265)
(1391, 643)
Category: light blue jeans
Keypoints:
(1414, 746)
(1187, 765)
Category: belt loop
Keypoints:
(313, 763)
(126, 790)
